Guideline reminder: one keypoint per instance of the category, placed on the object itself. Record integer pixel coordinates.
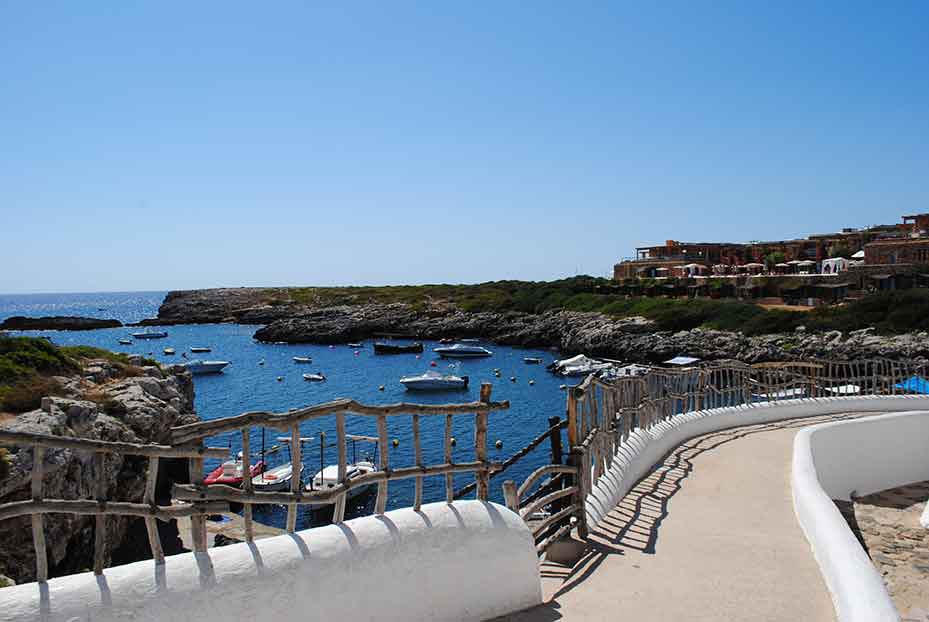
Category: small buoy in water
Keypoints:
(562, 386)
(499, 444)
(512, 378)
(419, 356)
(496, 370)
(497, 374)
(332, 347)
(531, 382)
(395, 442)
(432, 364)
(261, 362)
(380, 388)
(280, 378)
(357, 352)
(453, 441)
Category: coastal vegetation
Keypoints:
(887, 312)
(28, 366)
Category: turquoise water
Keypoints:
(246, 385)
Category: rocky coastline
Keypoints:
(102, 402)
(57, 322)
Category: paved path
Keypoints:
(710, 535)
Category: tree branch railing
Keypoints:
(38, 506)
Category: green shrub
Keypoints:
(27, 394)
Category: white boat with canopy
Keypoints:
(328, 476)
(434, 381)
(462, 351)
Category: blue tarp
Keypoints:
(915, 384)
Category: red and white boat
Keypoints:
(230, 472)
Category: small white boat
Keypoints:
(329, 478)
(460, 351)
(356, 345)
(199, 349)
(314, 377)
(168, 351)
(434, 381)
(206, 367)
(277, 478)
(532, 360)
(151, 334)
(579, 365)
(303, 359)
(469, 340)
(125, 342)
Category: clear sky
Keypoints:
(169, 145)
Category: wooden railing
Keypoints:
(101, 507)
(602, 414)
(290, 421)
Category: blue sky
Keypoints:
(169, 145)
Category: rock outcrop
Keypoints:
(57, 322)
(103, 404)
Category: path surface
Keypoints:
(709, 535)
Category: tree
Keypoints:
(772, 259)
(840, 250)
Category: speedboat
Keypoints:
(199, 349)
(277, 478)
(532, 360)
(579, 365)
(303, 359)
(168, 350)
(314, 377)
(205, 367)
(328, 477)
(356, 345)
(434, 381)
(391, 348)
(151, 334)
(125, 342)
(230, 472)
(462, 351)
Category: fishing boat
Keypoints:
(579, 365)
(231, 472)
(151, 334)
(434, 381)
(314, 377)
(168, 351)
(199, 349)
(125, 342)
(205, 367)
(328, 476)
(460, 351)
(391, 348)
(356, 345)
(279, 477)
(532, 360)
(303, 359)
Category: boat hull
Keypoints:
(389, 348)
(207, 367)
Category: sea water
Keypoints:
(251, 382)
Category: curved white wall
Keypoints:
(639, 454)
(857, 457)
(463, 561)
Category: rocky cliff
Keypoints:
(104, 402)
(57, 322)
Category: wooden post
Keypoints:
(480, 443)
(572, 420)
(38, 525)
(296, 451)
(578, 459)
(151, 524)
(449, 480)
(100, 519)
(417, 448)
(381, 503)
(247, 485)
(197, 522)
(510, 495)
(338, 512)
(555, 440)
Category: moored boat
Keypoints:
(314, 377)
(532, 360)
(151, 334)
(231, 472)
(434, 381)
(205, 367)
(392, 348)
(125, 342)
(356, 345)
(461, 351)
(199, 349)
(328, 477)
(303, 359)
(168, 351)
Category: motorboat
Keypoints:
(434, 381)
(356, 345)
(461, 351)
(328, 476)
(205, 367)
(579, 365)
(279, 477)
(231, 472)
(125, 342)
(471, 340)
(151, 334)
(392, 348)
(532, 360)
(168, 351)
(314, 377)
(303, 359)
(197, 349)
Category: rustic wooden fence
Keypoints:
(601, 414)
(101, 507)
(196, 491)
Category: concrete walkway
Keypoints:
(709, 535)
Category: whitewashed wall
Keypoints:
(854, 458)
(464, 561)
